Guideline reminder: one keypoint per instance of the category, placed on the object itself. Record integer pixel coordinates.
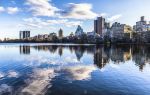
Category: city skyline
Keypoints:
(45, 16)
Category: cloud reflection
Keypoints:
(4, 88)
(2, 75)
(39, 82)
(79, 72)
(36, 60)
(13, 74)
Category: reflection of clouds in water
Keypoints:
(115, 66)
(103, 70)
(79, 72)
(71, 60)
(40, 81)
(10, 74)
(13, 74)
(2, 74)
(41, 78)
(4, 88)
(35, 61)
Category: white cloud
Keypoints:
(34, 22)
(41, 7)
(73, 23)
(65, 22)
(2, 9)
(103, 14)
(78, 11)
(115, 17)
(12, 10)
(41, 23)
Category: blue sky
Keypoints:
(45, 16)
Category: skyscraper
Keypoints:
(60, 34)
(79, 31)
(99, 25)
(141, 26)
(24, 34)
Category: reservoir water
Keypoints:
(57, 69)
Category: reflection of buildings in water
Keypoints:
(91, 49)
(60, 50)
(117, 54)
(121, 53)
(139, 61)
(52, 48)
(139, 56)
(24, 49)
(127, 55)
(44, 48)
(79, 53)
(100, 58)
(102, 54)
(71, 49)
(79, 50)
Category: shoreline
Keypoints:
(50, 43)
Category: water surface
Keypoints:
(49, 69)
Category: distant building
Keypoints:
(141, 26)
(79, 32)
(60, 34)
(119, 30)
(24, 34)
(71, 34)
(93, 34)
(99, 25)
(40, 37)
(45, 36)
(142, 31)
(52, 36)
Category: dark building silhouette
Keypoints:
(24, 34)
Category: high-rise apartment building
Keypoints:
(60, 34)
(99, 25)
(141, 26)
(119, 30)
(24, 34)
